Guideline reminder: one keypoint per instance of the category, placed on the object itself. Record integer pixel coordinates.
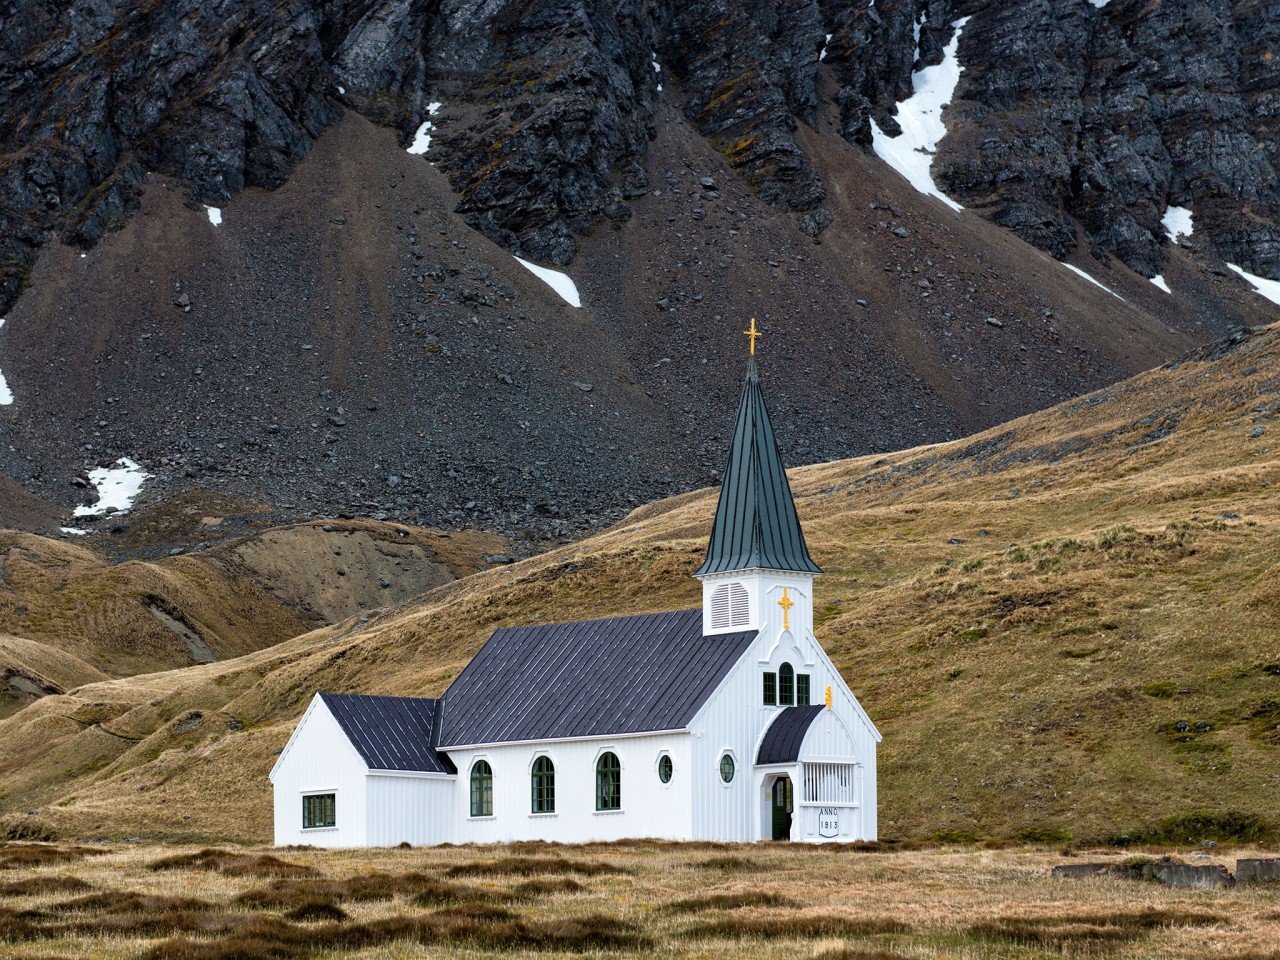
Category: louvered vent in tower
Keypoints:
(730, 607)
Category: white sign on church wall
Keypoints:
(829, 822)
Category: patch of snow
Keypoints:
(215, 215)
(116, 488)
(342, 90)
(557, 281)
(6, 395)
(657, 67)
(1099, 3)
(1093, 281)
(1158, 280)
(421, 139)
(920, 117)
(915, 28)
(823, 54)
(1261, 285)
(1176, 222)
(76, 530)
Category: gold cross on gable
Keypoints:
(753, 334)
(786, 603)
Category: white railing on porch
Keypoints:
(829, 784)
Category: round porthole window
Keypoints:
(726, 768)
(664, 768)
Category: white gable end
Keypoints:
(317, 764)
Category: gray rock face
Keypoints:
(1069, 120)
(748, 76)
(224, 94)
(1101, 118)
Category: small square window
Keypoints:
(318, 810)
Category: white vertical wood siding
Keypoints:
(828, 798)
(731, 721)
(320, 759)
(735, 718)
(410, 809)
(650, 808)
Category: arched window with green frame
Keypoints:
(786, 685)
(544, 785)
(481, 789)
(608, 782)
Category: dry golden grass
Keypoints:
(652, 899)
(248, 593)
(1064, 627)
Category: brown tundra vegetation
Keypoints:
(628, 899)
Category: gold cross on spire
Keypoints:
(786, 603)
(752, 335)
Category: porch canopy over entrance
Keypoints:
(811, 746)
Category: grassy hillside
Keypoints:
(81, 618)
(1065, 624)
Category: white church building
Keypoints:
(725, 723)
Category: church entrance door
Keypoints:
(782, 807)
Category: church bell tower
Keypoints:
(758, 573)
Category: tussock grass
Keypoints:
(530, 866)
(797, 925)
(1103, 927)
(487, 912)
(14, 928)
(129, 901)
(40, 886)
(312, 910)
(728, 864)
(15, 855)
(932, 904)
(233, 864)
(490, 930)
(730, 901)
(435, 892)
(546, 886)
(376, 885)
(1059, 936)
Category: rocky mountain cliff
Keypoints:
(346, 341)
(1076, 121)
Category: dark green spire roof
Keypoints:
(756, 523)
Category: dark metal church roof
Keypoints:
(781, 743)
(756, 523)
(588, 679)
(391, 733)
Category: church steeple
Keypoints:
(755, 526)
